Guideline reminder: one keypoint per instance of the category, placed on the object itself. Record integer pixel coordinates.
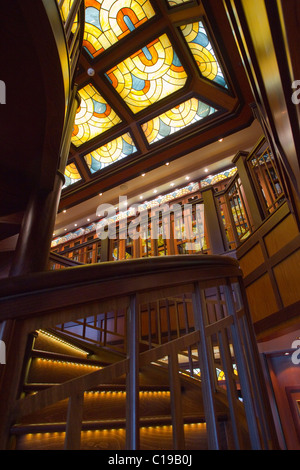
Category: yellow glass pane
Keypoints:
(176, 119)
(111, 152)
(149, 75)
(108, 21)
(203, 52)
(72, 175)
(93, 117)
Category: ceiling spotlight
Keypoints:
(141, 197)
(91, 72)
(100, 194)
(75, 225)
(172, 184)
(187, 178)
(88, 220)
(206, 170)
(143, 174)
(220, 140)
(155, 191)
(64, 211)
(167, 163)
(65, 229)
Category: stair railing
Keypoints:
(220, 319)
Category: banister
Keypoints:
(39, 293)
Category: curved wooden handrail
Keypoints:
(45, 291)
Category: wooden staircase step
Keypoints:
(21, 429)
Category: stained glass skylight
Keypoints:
(176, 119)
(203, 52)
(93, 117)
(72, 175)
(108, 21)
(110, 153)
(149, 75)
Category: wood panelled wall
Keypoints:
(270, 260)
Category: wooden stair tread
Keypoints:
(19, 429)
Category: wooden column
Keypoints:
(214, 231)
(34, 242)
(132, 379)
(33, 246)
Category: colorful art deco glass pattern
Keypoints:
(110, 153)
(108, 21)
(176, 119)
(149, 75)
(93, 117)
(203, 52)
(72, 175)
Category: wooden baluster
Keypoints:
(243, 371)
(205, 363)
(186, 322)
(149, 326)
(74, 421)
(132, 378)
(176, 402)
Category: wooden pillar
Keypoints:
(132, 379)
(34, 241)
(212, 221)
(254, 209)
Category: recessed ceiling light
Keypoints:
(75, 225)
(155, 191)
(167, 163)
(172, 184)
(100, 194)
(141, 197)
(220, 140)
(206, 170)
(187, 178)
(64, 211)
(143, 174)
(88, 220)
(65, 229)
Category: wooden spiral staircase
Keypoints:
(201, 329)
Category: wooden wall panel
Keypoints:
(287, 275)
(281, 235)
(261, 299)
(252, 259)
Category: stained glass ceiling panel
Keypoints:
(149, 75)
(176, 119)
(108, 21)
(93, 117)
(72, 175)
(203, 52)
(110, 153)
